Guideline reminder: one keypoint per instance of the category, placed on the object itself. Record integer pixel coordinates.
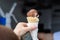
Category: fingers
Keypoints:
(22, 28)
(21, 24)
(29, 28)
(25, 27)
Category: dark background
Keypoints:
(49, 11)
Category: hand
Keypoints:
(21, 28)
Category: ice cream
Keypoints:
(33, 21)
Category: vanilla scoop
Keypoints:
(32, 19)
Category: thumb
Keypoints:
(30, 28)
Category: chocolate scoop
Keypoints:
(32, 13)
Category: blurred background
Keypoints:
(14, 11)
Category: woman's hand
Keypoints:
(21, 28)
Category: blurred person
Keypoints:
(9, 34)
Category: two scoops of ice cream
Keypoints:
(32, 16)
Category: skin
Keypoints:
(21, 28)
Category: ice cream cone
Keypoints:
(34, 32)
(33, 21)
